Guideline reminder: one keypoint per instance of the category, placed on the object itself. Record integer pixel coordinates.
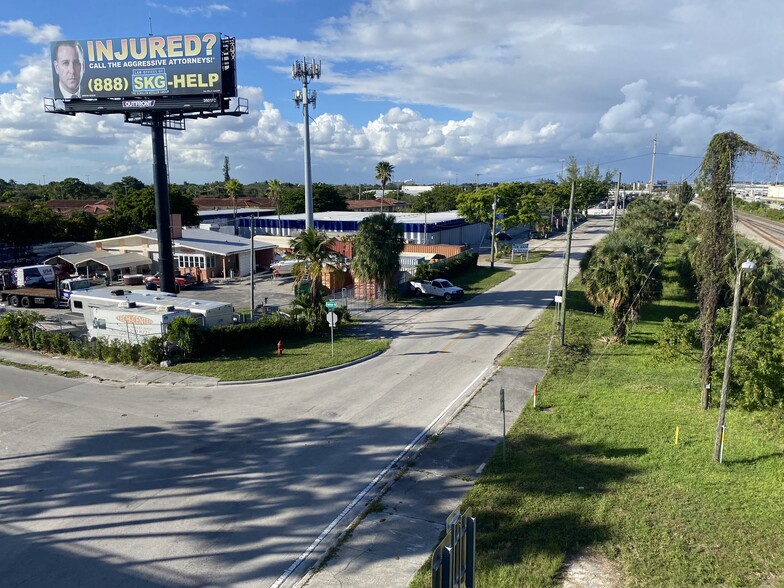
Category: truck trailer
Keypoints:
(131, 324)
(210, 313)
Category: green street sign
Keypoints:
(331, 304)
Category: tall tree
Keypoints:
(436, 199)
(619, 275)
(274, 193)
(226, 168)
(233, 188)
(377, 248)
(384, 171)
(327, 198)
(716, 237)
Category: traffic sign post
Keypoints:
(332, 320)
(503, 417)
(520, 248)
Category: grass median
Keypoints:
(299, 356)
(594, 468)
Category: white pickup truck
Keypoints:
(440, 287)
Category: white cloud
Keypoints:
(505, 88)
(205, 11)
(28, 30)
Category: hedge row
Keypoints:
(447, 269)
(186, 336)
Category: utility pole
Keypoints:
(718, 447)
(492, 237)
(617, 193)
(306, 71)
(567, 254)
(653, 162)
(252, 266)
(476, 183)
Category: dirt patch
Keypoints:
(589, 570)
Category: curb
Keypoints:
(303, 374)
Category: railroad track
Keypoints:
(768, 231)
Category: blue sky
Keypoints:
(446, 90)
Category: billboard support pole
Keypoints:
(160, 179)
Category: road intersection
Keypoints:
(112, 483)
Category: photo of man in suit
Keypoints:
(68, 61)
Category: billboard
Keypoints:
(137, 67)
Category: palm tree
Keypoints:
(377, 247)
(273, 193)
(384, 171)
(765, 284)
(620, 275)
(233, 188)
(312, 249)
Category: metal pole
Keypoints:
(725, 383)
(492, 237)
(252, 268)
(567, 255)
(617, 193)
(653, 162)
(308, 181)
(165, 255)
(305, 71)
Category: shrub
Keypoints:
(151, 351)
(188, 335)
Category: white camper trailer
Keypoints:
(210, 313)
(131, 324)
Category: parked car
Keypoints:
(153, 281)
(439, 287)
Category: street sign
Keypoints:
(331, 304)
(520, 248)
(332, 319)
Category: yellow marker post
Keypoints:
(677, 431)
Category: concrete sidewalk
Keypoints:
(112, 372)
(387, 548)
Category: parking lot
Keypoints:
(268, 291)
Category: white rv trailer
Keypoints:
(211, 313)
(131, 324)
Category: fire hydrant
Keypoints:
(280, 347)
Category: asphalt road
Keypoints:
(235, 486)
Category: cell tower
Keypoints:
(302, 70)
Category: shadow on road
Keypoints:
(184, 504)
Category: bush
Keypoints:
(265, 331)
(188, 335)
(151, 351)
(446, 269)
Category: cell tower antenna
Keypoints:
(305, 72)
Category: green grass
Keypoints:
(473, 282)
(298, 357)
(43, 368)
(605, 421)
(533, 257)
